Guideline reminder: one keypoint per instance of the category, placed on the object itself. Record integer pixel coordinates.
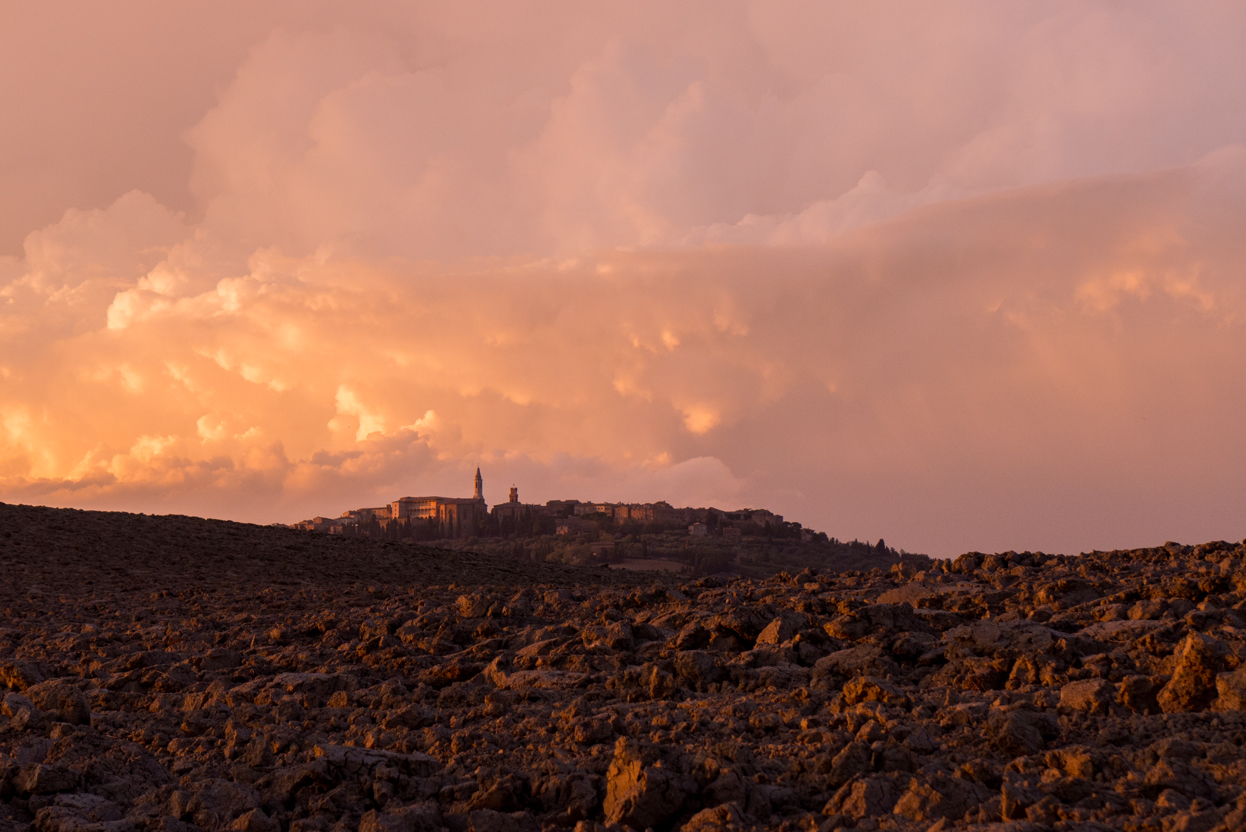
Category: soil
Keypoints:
(173, 673)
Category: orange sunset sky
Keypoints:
(962, 276)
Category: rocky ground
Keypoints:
(179, 674)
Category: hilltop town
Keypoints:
(450, 518)
(657, 535)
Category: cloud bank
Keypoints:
(963, 280)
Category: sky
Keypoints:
(963, 276)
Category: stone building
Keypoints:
(365, 515)
(512, 509)
(453, 516)
(324, 525)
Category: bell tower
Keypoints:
(480, 487)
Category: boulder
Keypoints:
(15, 703)
(615, 636)
(1021, 733)
(698, 668)
(1089, 696)
(727, 817)
(940, 797)
(866, 798)
(642, 796)
(61, 700)
(776, 632)
(1196, 664)
(853, 759)
(873, 689)
(39, 779)
(19, 675)
(218, 659)
(1231, 690)
(212, 804)
(420, 817)
(254, 821)
(1140, 693)
(573, 796)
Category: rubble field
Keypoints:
(170, 673)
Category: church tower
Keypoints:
(480, 487)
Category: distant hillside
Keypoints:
(71, 551)
(75, 552)
(754, 556)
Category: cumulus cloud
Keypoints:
(964, 280)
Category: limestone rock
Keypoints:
(641, 796)
(871, 689)
(421, 817)
(1231, 690)
(938, 798)
(866, 798)
(1090, 696)
(725, 818)
(19, 675)
(1197, 662)
(62, 700)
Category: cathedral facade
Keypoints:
(453, 516)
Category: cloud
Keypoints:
(893, 355)
(962, 280)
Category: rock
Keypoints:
(871, 689)
(990, 637)
(1021, 733)
(1197, 662)
(616, 636)
(213, 804)
(1140, 693)
(728, 787)
(864, 659)
(725, 818)
(18, 675)
(912, 594)
(1090, 696)
(698, 669)
(254, 821)
(352, 760)
(866, 798)
(572, 796)
(39, 779)
(318, 686)
(473, 606)
(940, 797)
(220, 658)
(60, 699)
(849, 627)
(14, 703)
(78, 812)
(776, 632)
(507, 793)
(744, 622)
(487, 820)
(692, 636)
(640, 796)
(1180, 776)
(1231, 690)
(853, 759)
(419, 817)
(593, 731)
